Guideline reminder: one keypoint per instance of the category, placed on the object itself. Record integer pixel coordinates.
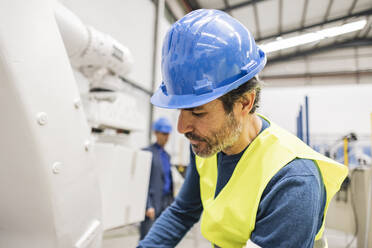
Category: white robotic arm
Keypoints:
(88, 47)
(100, 59)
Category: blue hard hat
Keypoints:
(205, 54)
(162, 125)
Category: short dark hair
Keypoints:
(229, 99)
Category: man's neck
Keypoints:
(251, 128)
(162, 146)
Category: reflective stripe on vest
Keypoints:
(229, 219)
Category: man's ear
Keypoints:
(247, 101)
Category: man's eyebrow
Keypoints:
(195, 108)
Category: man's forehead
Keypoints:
(206, 106)
(195, 108)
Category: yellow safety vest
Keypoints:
(229, 219)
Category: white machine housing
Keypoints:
(59, 188)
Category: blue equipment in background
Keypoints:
(300, 121)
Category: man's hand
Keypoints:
(150, 212)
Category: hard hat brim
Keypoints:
(162, 100)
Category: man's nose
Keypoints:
(184, 122)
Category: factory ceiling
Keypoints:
(272, 20)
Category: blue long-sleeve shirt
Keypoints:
(161, 182)
(167, 189)
(290, 212)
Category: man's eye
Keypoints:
(198, 114)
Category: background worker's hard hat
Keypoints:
(162, 125)
(205, 54)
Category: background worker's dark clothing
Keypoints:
(160, 192)
(289, 215)
(147, 223)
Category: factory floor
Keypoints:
(128, 237)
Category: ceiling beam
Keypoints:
(170, 10)
(227, 5)
(303, 19)
(352, 7)
(325, 18)
(326, 15)
(280, 19)
(193, 4)
(333, 46)
(357, 34)
(358, 14)
(280, 16)
(317, 74)
(240, 5)
(304, 14)
(367, 31)
(176, 9)
(257, 21)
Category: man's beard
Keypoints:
(219, 140)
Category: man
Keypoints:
(253, 183)
(160, 193)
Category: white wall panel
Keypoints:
(333, 109)
(365, 58)
(334, 65)
(334, 53)
(322, 81)
(290, 67)
(365, 79)
(365, 50)
(285, 82)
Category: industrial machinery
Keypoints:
(350, 210)
(61, 185)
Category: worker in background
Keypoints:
(251, 182)
(160, 193)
